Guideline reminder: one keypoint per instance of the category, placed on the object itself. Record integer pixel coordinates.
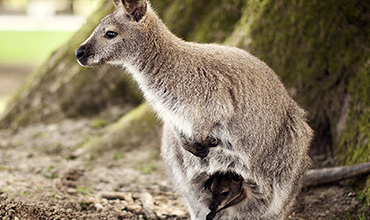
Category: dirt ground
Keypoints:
(40, 179)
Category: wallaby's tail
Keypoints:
(329, 175)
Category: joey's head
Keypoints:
(227, 190)
(118, 37)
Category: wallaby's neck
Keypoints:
(159, 45)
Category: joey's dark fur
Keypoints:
(227, 190)
(223, 109)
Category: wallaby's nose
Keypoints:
(212, 206)
(79, 53)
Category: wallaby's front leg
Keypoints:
(201, 141)
(202, 124)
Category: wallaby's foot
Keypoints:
(211, 215)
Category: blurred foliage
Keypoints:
(30, 46)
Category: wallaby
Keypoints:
(223, 109)
(227, 190)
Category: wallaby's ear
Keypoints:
(118, 3)
(208, 183)
(235, 177)
(135, 8)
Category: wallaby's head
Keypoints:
(118, 37)
(227, 190)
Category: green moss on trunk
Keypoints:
(354, 146)
(201, 21)
(319, 48)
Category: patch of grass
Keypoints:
(92, 156)
(50, 173)
(49, 168)
(154, 155)
(364, 196)
(85, 140)
(53, 195)
(146, 168)
(5, 189)
(361, 216)
(84, 190)
(117, 156)
(41, 135)
(37, 188)
(51, 176)
(85, 204)
(30, 46)
(98, 123)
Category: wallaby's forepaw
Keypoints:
(199, 146)
(198, 150)
(205, 141)
(211, 215)
(201, 149)
(211, 142)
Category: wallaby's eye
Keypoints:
(110, 34)
(225, 193)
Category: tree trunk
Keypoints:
(320, 49)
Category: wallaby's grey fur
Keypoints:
(203, 91)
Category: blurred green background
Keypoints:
(30, 46)
(30, 30)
